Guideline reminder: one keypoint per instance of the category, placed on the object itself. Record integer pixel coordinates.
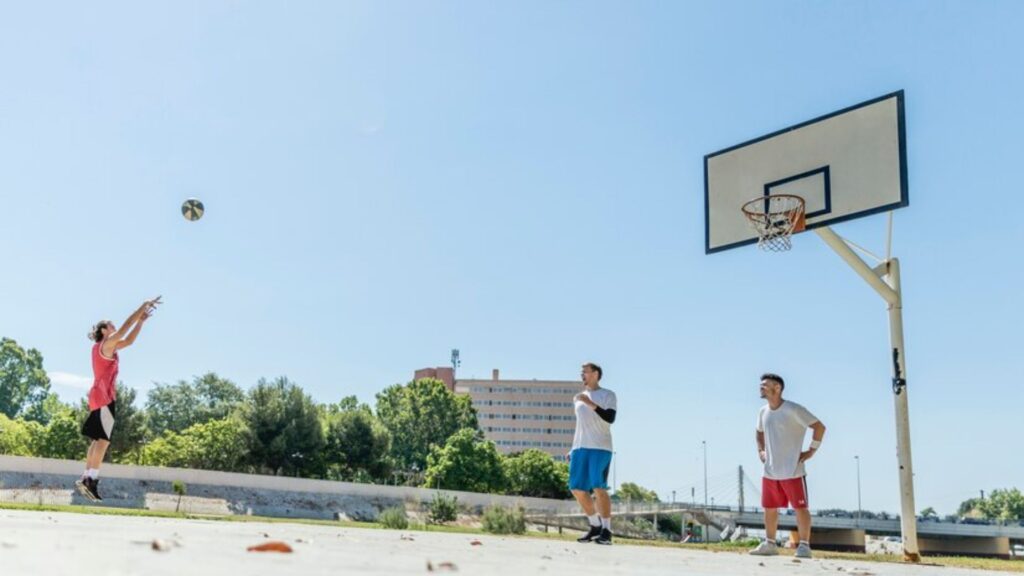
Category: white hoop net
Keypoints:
(775, 218)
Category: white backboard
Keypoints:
(845, 165)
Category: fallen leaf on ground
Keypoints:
(160, 545)
(406, 537)
(274, 546)
(476, 543)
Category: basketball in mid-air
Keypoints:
(192, 209)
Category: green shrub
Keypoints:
(501, 520)
(179, 488)
(394, 518)
(444, 509)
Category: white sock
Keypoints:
(93, 473)
(606, 523)
(806, 542)
(595, 520)
(85, 473)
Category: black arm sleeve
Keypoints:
(606, 414)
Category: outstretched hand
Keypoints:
(149, 305)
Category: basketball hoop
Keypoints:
(775, 218)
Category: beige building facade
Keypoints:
(521, 414)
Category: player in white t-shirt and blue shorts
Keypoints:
(591, 455)
(781, 427)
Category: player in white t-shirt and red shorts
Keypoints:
(781, 427)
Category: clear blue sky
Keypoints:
(385, 181)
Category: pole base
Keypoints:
(910, 557)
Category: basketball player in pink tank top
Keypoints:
(99, 426)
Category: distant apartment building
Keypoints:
(519, 414)
(446, 375)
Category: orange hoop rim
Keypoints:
(763, 213)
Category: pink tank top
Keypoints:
(104, 371)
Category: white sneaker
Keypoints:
(766, 548)
(803, 551)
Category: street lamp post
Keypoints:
(704, 444)
(857, 458)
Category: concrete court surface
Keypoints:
(52, 543)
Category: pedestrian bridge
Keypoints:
(841, 533)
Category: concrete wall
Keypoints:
(990, 547)
(838, 540)
(47, 481)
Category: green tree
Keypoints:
(16, 437)
(356, 444)
(1006, 504)
(62, 437)
(179, 406)
(129, 428)
(45, 410)
(929, 512)
(466, 462)
(969, 507)
(535, 473)
(23, 382)
(631, 492)
(285, 435)
(213, 445)
(419, 415)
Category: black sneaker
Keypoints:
(605, 537)
(595, 531)
(83, 488)
(93, 485)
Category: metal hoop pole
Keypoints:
(889, 290)
(908, 521)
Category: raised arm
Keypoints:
(130, 339)
(131, 327)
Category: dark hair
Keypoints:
(595, 368)
(775, 377)
(96, 333)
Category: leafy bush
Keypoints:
(394, 518)
(501, 520)
(444, 509)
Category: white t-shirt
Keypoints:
(784, 430)
(591, 430)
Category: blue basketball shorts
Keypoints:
(588, 469)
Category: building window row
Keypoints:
(533, 444)
(510, 430)
(528, 404)
(521, 390)
(559, 417)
